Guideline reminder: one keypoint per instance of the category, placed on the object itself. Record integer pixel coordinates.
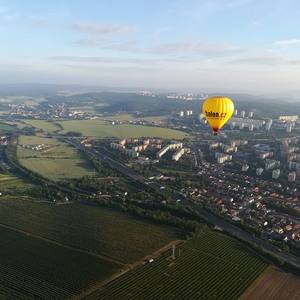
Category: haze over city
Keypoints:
(237, 45)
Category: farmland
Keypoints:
(93, 229)
(129, 117)
(43, 125)
(210, 266)
(16, 124)
(274, 284)
(58, 161)
(100, 129)
(6, 127)
(31, 268)
(11, 183)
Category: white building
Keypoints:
(269, 125)
(165, 149)
(265, 154)
(243, 113)
(288, 118)
(259, 171)
(245, 167)
(289, 128)
(177, 155)
(221, 157)
(271, 164)
(276, 174)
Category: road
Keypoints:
(246, 237)
(207, 216)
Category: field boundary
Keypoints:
(103, 257)
(255, 282)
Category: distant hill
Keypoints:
(125, 99)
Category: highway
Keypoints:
(210, 218)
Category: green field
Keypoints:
(89, 108)
(31, 268)
(6, 128)
(105, 232)
(59, 162)
(28, 100)
(211, 266)
(43, 124)
(83, 108)
(10, 183)
(129, 117)
(98, 128)
(16, 124)
(51, 127)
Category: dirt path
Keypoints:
(127, 268)
(274, 284)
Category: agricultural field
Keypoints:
(83, 108)
(28, 100)
(129, 117)
(209, 266)
(274, 284)
(44, 125)
(32, 268)
(57, 162)
(88, 108)
(108, 233)
(98, 128)
(4, 127)
(16, 124)
(10, 183)
(155, 118)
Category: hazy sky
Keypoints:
(236, 44)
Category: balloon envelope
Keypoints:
(217, 110)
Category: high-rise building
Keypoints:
(269, 124)
(251, 114)
(276, 174)
(176, 156)
(243, 113)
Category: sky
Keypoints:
(238, 45)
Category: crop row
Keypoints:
(211, 266)
(39, 269)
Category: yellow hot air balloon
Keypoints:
(217, 110)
